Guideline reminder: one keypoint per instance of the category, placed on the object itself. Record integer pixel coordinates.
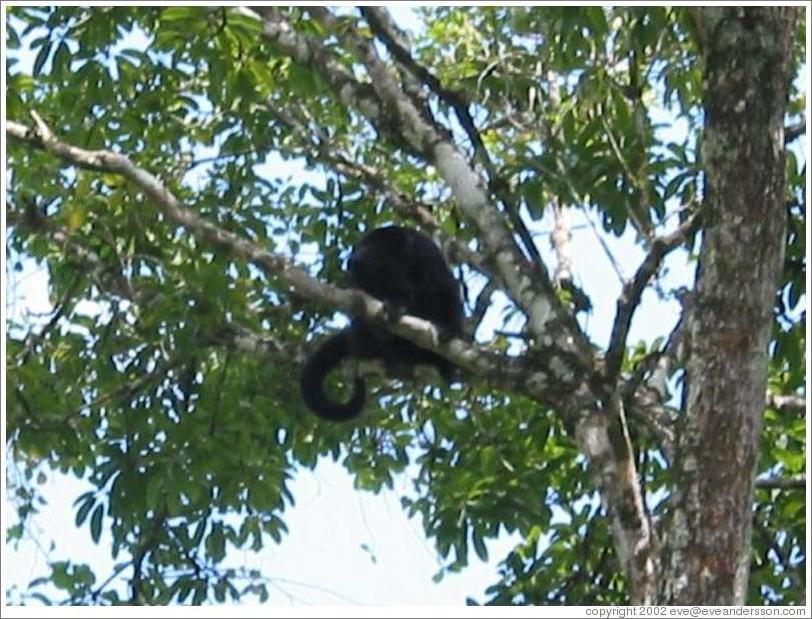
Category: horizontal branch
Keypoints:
(261, 345)
(782, 483)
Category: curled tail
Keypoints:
(314, 377)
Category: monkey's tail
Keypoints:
(314, 377)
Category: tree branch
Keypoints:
(793, 132)
(603, 435)
(160, 196)
(232, 336)
(633, 290)
(782, 483)
(385, 29)
(544, 383)
(561, 241)
(374, 179)
(787, 403)
(391, 111)
(553, 378)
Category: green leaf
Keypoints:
(479, 545)
(200, 593)
(15, 532)
(84, 509)
(62, 59)
(41, 58)
(198, 534)
(59, 575)
(96, 523)
(216, 543)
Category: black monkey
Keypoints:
(405, 269)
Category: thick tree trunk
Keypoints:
(707, 544)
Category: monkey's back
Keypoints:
(405, 267)
(402, 267)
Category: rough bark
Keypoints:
(746, 57)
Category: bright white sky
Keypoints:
(344, 546)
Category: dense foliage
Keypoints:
(146, 392)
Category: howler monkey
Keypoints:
(405, 269)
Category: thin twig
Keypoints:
(609, 255)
